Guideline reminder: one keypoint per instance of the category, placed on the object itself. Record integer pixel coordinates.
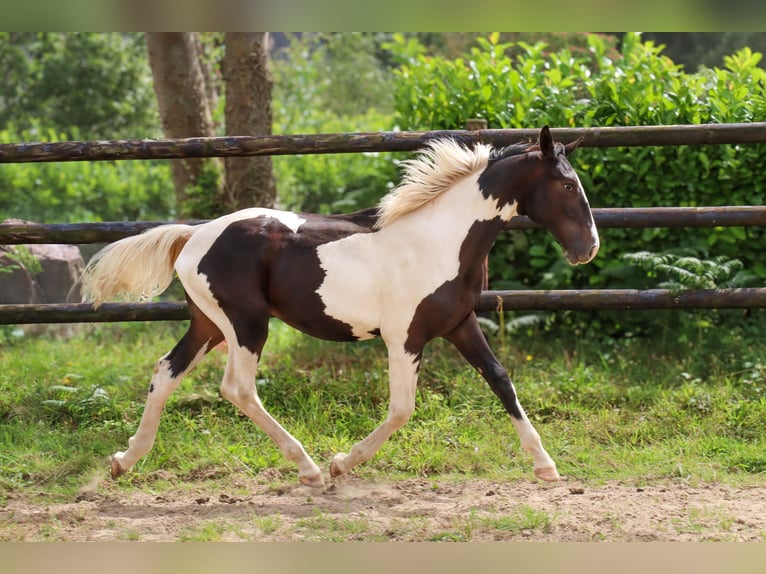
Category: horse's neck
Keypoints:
(461, 213)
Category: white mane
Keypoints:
(439, 166)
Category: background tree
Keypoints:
(184, 109)
(249, 180)
(695, 49)
(186, 97)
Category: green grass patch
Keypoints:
(628, 411)
(524, 519)
(322, 527)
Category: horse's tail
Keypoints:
(137, 266)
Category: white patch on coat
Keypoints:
(377, 280)
(508, 211)
(440, 165)
(593, 228)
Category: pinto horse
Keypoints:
(408, 271)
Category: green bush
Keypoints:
(331, 84)
(67, 192)
(637, 86)
(97, 84)
(335, 183)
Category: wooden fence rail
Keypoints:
(522, 300)
(233, 146)
(629, 217)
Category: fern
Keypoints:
(678, 272)
(81, 406)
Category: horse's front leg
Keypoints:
(471, 343)
(403, 377)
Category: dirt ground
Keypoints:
(271, 508)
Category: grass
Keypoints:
(698, 520)
(322, 527)
(628, 410)
(525, 519)
(211, 531)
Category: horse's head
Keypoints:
(554, 197)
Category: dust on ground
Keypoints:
(270, 507)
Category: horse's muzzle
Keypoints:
(577, 257)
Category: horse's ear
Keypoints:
(571, 146)
(546, 142)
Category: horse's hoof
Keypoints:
(314, 480)
(335, 468)
(116, 470)
(548, 474)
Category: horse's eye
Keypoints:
(569, 186)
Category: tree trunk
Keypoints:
(249, 181)
(185, 112)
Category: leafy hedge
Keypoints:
(636, 86)
(68, 192)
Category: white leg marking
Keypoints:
(238, 386)
(162, 385)
(402, 383)
(544, 466)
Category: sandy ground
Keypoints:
(271, 508)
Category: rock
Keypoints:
(56, 283)
(17, 286)
(62, 266)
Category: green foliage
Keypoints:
(22, 258)
(637, 86)
(336, 72)
(688, 272)
(433, 93)
(335, 183)
(67, 192)
(457, 44)
(96, 85)
(71, 86)
(202, 198)
(79, 406)
(331, 83)
(693, 49)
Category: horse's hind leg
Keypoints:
(238, 386)
(202, 336)
(403, 378)
(470, 341)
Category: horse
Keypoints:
(409, 270)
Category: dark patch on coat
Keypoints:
(202, 333)
(259, 268)
(504, 179)
(453, 300)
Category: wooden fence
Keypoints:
(80, 233)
